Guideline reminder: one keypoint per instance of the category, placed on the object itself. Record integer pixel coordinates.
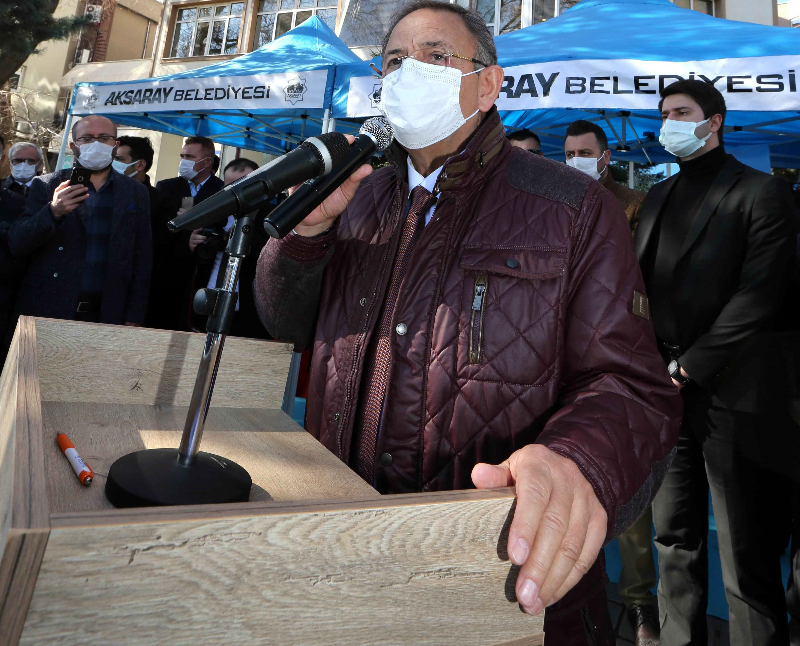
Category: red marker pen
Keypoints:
(81, 469)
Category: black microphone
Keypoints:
(375, 135)
(314, 157)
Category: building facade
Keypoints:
(789, 13)
(134, 39)
(120, 38)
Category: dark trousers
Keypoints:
(638, 575)
(581, 618)
(793, 588)
(744, 460)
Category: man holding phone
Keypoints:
(86, 234)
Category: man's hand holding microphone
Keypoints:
(322, 218)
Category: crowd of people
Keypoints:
(101, 251)
(615, 355)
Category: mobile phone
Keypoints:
(80, 176)
(187, 203)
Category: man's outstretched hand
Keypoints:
(559, 524)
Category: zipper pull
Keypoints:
(480, 290)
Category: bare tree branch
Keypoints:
(21, 121)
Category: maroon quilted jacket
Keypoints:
(518, 303)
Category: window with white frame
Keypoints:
(276, 17)
(503, 16)
(703, 6)
(209, 30)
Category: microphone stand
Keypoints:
(187, 476)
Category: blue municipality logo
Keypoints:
(91, 101)
(295, 90)
(375, 96)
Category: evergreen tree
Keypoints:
(24, 24)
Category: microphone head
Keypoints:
(330, 149)
(380, 130)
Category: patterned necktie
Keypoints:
(379, 361)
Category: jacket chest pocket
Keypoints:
(509, 323)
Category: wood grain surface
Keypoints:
(23, 494)
(31, 509)
(8, 422)
(283, 460)
(91, 362)
(424, 569)
(19, 569)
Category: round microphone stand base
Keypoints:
(155, 477)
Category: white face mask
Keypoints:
(186, 168)
(121, 166)
(95, 156)
(587, 165)
(23, 172)
(421, 101)
(679, 139)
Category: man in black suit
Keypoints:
(11, 207)
(716, 243)
(89, 248)
(172, 286)
(210, 267)
(134, 158)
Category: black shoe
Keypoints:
(644, 620)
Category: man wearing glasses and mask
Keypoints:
(89, 248)
(26, 163)
(476, 319)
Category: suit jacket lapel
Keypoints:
(205, 190)
(648, 216)
(722, 184)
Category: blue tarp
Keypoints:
(651, 31)
(310, 46)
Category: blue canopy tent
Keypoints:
(605, 61)
(266, 100)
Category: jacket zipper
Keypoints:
(476, 322)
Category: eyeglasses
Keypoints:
(429, 55)
(536, 152)
(103, 139)
(17, 162)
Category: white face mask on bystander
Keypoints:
(23, 172)
(95, 156)
(587, 165)
(678, 137)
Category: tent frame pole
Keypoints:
(62, 151)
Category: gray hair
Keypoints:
(24, 144)
(474, 22)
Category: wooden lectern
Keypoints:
(316, 557)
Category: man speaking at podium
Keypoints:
(477, 316)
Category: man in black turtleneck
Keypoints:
(716, 244)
